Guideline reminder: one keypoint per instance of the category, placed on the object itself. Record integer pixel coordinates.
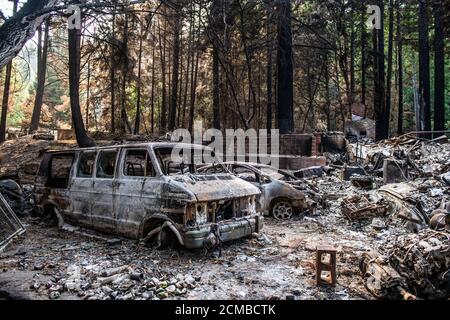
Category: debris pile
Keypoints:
(359, 207)
(94, 282)
(423, 260)
(414, 266)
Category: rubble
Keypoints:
(423, 260)
(396, 245)
(359, 207)
(416, 264)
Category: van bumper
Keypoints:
(204, 236)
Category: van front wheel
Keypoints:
(161, 237)
(166, 239)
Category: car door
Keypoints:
(139, 188)
(104, 190)
(82, 188)
(59, 180)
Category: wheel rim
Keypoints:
(282, 211)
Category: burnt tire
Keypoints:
(161, 240)
(166, 240)
(282, 210)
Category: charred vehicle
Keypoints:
(282, 194)
(140, 191)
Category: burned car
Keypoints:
(282, 195)
(139, 191)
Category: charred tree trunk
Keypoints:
(83, 139)
(152, 120)
(390, 64)
(439, 66)
(352, 56)
(193, 91)
(285, 103)
(88, 94)
(18, 29)
(42, 71)
(327, 91)
(5, 102)
(400, 70)
(163, 110)
(269, 71)
(175, 70)
(363, 55)
(113, 79)
(217, 26)
(137, 121)
(382, 122)
(424, 68)
(6, 90)
(216, 89)
(125, 125)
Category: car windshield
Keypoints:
(175, 163)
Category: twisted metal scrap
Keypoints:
(423, 260)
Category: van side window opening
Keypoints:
(138, 164)
(86, 165)
(106, 164)
(60, 167)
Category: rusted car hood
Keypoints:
(216, 187)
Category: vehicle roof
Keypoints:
(132, 145)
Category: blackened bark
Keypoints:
(113, 79)
(216, 89)
(83, 140)
(41, 71)
(163, 110)
(400, 70)
(381, 119)
(390, 63)
(88, 94)
(269, 87)
(439, 72)
(363, 55)
(285, 103)
(6, 90)
(18, 29)
(125, 125)
(352, 56)
(194, 75)
(5, 102)
(137, 121)
(424, 68)
(327, 91)
(217, 26)
(175, 71)
(152, 120)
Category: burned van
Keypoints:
(140, 191)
